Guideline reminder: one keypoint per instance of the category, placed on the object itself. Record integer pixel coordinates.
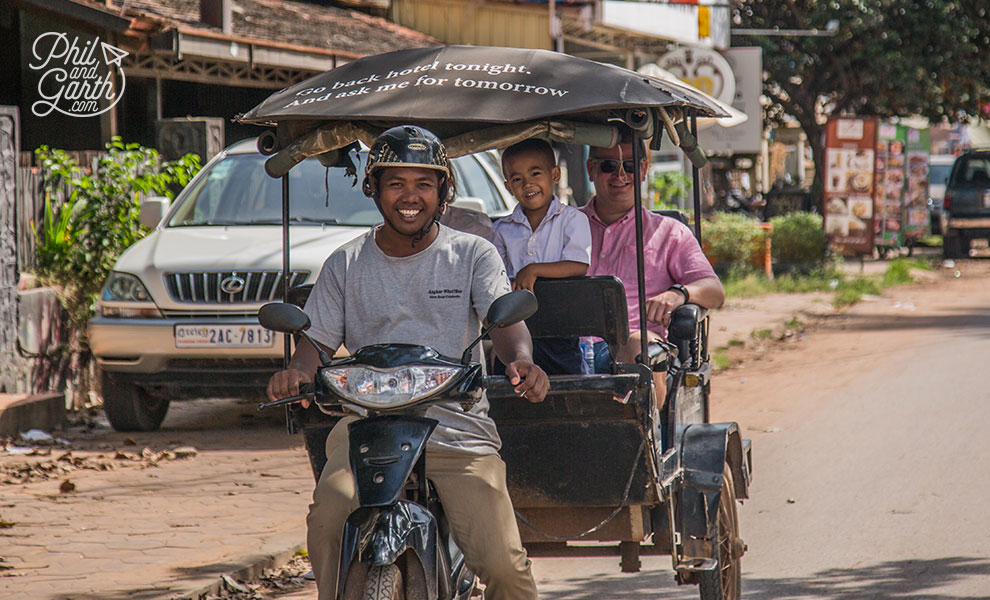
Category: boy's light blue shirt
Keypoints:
(563, 234)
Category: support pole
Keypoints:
(290, 422)
(696, 183)
(287, 354)
(640, 264)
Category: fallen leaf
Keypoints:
(233, 585)
(67, 486)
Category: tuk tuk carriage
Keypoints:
(602, 466)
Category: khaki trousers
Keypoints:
(475, 500)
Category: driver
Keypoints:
(676, 268)
(412, 280)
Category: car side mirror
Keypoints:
(505, 310)
(283, 317)
(511, 308)
(469, 203)
(152, 210)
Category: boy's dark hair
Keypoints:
(532, 144)
(626, 137)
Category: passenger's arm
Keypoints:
(514, 348)
(526, 277)
(706, 292)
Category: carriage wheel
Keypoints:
(725, 583)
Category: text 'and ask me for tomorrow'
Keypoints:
(377, 83)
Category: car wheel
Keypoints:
(130, 408)
(952, 244)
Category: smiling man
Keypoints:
(676, 268)
(414, 281)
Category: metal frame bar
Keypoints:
(640, 260)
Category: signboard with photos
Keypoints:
(916, 218)
(849, 190)
(888, 197)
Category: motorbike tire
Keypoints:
(128, 407)
(725, 583)
(384, 583)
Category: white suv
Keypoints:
(177, 317)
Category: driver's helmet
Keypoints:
(408, 146)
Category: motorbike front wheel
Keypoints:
(384, 583)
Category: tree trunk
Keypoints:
(816, 138)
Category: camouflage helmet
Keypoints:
(407, 146)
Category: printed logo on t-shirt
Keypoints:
(444, 293)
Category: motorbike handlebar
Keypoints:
(306, 391)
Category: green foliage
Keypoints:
(798, 241)
(81, 238)
(888, 58)
(669, 186)
(899, 271)
(851, 291)
(732, 238)
(753, 284)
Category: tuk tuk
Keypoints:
(602, 466)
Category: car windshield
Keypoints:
(939, 174)
(237, 191)
(972, 171)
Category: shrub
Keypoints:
(798, 241)
(668, 187)
(82, 237)
(732, 238)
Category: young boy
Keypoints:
(542, 238)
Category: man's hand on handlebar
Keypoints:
(286, 383)
(529, 380)
(660, 307)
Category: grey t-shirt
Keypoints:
(437, 297)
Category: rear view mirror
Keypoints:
(152, 210)
(282, 317)
(512, 308)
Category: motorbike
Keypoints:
(397, 543)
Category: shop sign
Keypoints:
(849, 183)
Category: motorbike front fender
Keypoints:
(378, 537)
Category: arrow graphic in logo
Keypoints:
(111, 54)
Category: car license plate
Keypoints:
(227, 336)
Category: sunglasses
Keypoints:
(610, 165)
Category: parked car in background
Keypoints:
(966, 204)
(177, 317)
(939, 169)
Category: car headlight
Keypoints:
(391, 388)
(124, 287)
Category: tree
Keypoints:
(888, 58)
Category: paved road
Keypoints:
(870, 444)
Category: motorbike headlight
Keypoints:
(392, 388)
(124, 287)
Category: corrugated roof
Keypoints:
(307, 25)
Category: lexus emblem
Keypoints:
(232, 284)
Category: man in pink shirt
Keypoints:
(676, 269)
